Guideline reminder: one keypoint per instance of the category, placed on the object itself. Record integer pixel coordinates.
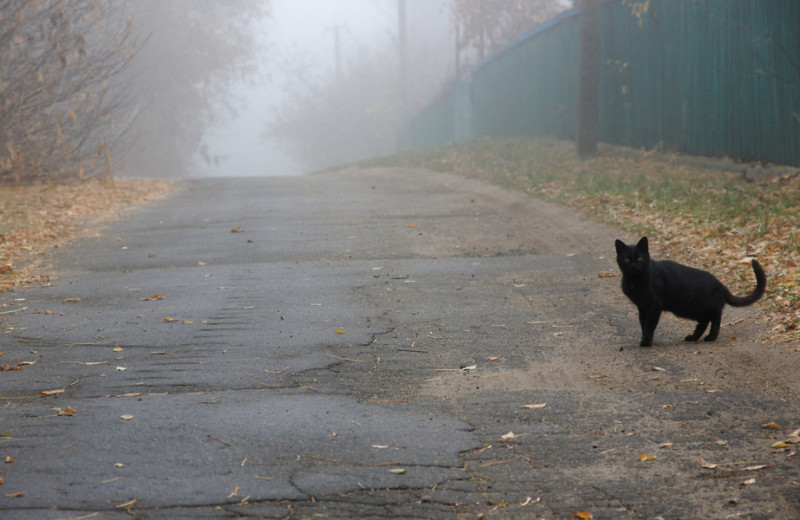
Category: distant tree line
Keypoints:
(89, 87)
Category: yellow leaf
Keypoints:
(69, 411)
(534, 406)
(645, 457)
(770, 425)
(583, 515)
(49, 393)
(339, 331)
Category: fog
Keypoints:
(297, 51)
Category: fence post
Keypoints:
(588, 77)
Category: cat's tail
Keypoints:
(758, 292)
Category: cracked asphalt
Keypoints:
(378, 343)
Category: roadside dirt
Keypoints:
(37, 218)
(740, 360)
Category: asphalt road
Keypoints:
(371, 344)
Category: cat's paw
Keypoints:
(692, 338)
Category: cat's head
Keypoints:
(633, 259)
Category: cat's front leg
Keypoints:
(648, 319)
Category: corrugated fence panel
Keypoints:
(435, 125)
(705, 77)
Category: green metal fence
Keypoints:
(705, 77)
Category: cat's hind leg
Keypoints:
(699, 330)
(715, 323)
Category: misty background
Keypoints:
(299, 62)
(100, 88)
(328, 90)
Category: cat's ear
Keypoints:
(620, 245)
(643, 245)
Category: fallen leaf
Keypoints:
(153, 298)
(665, 445)
(508, 437)
(9, 459)
(380, 447)
(339, 331)
(770, 425)
(747, 482)
(645, 457)
(49, 393)
(2, 481)
(18, 494)
(72, 300)
(707, 465)
(9, 368)
(235, 492)
(757, 467)
(117, 349)
(583, 515)
(534, 406)
(127, 506)
(170, 319)
(126, 417)
(69, 411)
(237, 229)
(398, 471)
(658, 369)
(121, 369)
(607, 274)
(186, 322)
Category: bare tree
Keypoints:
(484, 27)
(181, 78)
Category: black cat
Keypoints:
(656, 286)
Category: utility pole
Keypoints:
(402, 37)
(402, 44)
(588, 78)
(337, 51)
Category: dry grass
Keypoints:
(35, 218)
(707, 218)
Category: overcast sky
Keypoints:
(306, 28)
